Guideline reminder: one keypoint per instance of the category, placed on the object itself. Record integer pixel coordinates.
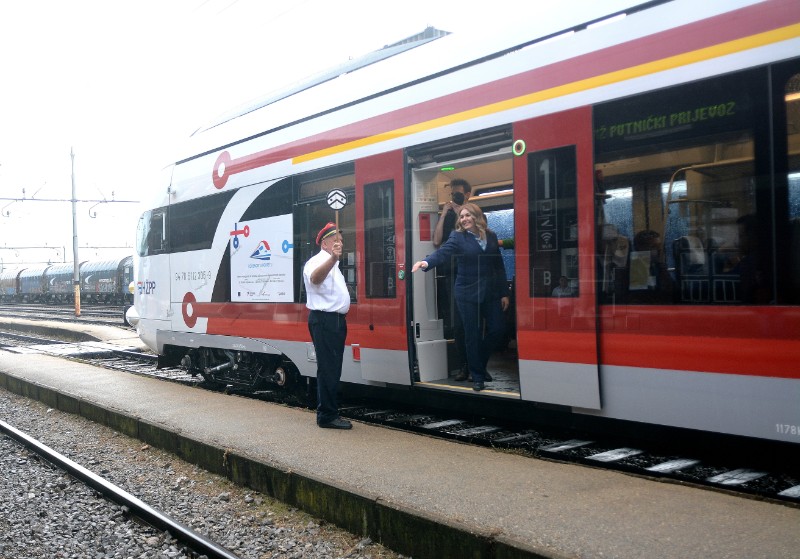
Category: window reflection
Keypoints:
(683, 213)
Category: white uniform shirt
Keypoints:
(331, 295)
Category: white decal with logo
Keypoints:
(262, 260)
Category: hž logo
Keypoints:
(146, 287)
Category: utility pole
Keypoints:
(76, 274)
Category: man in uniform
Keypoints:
(328, 301)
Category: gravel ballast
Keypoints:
(44, 513)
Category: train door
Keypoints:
(379, 340)
(484, 161)
(556, 301)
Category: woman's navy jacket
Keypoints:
(480, 274)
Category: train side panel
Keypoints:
(9, 285)
(32, 286)
(632, 172)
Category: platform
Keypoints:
(422, 496)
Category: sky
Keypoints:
(123, 84)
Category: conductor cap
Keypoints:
(328, 230)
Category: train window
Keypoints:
(312, 212)
(684, 213)
(379, 240)
(501, 221)
(142, 231)
(274, 201)
(792, 101)
(193, 224)
(553, 233)
(151, 233)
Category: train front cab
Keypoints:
(679, 237)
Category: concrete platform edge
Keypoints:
(409, 532)
(49, 330)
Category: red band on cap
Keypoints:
(328, 230)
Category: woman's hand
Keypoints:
(417, 265)
(504, 302)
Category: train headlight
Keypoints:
(131, 287)
(130, 317)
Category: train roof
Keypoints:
(62, 268)
(422, 57)
(10, 274)
(429, 34)
(35, 271)
(106, 264)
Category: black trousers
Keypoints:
(481, 342)
(453, 327)
(328, 332)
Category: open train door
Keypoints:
(483, 159)
(556, 320)
(380, 324)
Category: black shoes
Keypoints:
(478, 386)
(464, 374)
(337, 423)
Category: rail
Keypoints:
(155, 518)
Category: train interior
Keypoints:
(694, 222)
(486, 164)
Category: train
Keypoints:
(643, 155)
(106, 282)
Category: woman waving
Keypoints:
(481, 288)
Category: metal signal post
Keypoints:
(76, 277)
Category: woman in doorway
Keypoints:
(481, 288)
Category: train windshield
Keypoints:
(151, 232)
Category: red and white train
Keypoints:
(649, 153)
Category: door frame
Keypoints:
(557, 337)
(379, 324)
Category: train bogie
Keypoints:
(241, 370)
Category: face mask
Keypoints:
(458, 198)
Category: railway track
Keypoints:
(96, 314)
(708, 471)
(200, 545)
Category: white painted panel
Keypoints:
(432, 359)
(385, 365)
(751, 406)
(567, 384)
